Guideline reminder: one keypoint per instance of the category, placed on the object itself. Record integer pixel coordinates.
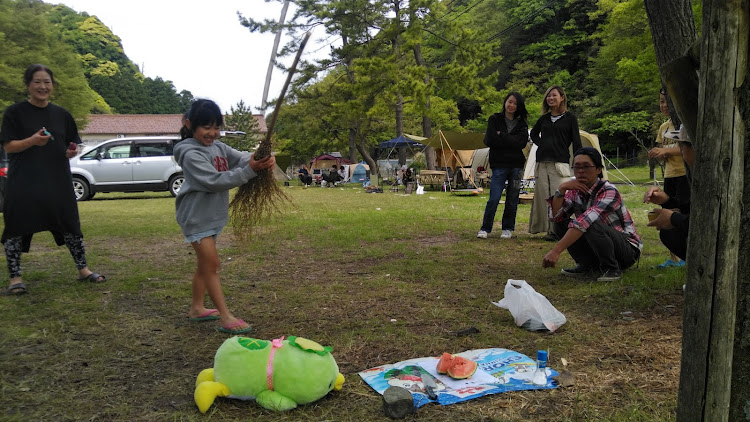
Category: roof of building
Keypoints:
(143, 123)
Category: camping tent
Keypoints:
(587, 140)
(453, 149)
(358, 172)
(326, 161)
(282, 163)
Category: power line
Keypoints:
(467, 9)
(520, 21)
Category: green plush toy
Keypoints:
(278, 374)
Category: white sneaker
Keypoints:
(506, 234)
(482, 234)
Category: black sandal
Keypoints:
(17, 289)
(93, 278)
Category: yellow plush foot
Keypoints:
(339, 382)
(205, 375)
(207, 391)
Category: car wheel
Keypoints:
(81, 189)
(175, 183)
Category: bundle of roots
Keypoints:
(257, 200)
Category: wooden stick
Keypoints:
(280, 100)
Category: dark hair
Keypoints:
(520, 106)
(594, 154)
(202, 112)
(28, 75)
(184, 131)
(662, 91)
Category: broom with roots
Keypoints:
(260, 197)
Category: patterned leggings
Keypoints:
(74, 242)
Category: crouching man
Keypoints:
(601, 236)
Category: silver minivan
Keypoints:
(136, 164)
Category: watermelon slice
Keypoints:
(462, 368)
(456, 367)
(445, 362)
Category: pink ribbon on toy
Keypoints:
(275, 344)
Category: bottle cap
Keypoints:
(541, 355)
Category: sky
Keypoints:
(199, 45)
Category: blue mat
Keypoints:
(499, 371)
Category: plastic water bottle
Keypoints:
(540, 375)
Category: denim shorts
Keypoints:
(198, 236)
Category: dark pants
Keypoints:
(675, 240)
(600, 247)
(305, 179)
(677, 188)
(13, 249)
(497, 184)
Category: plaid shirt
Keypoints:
(601, 203)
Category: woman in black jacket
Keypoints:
(507, 135)
(553, 135)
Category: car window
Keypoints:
(115, 151)
(154, 148)
(111, 150)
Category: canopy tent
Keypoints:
(400, 142)
(452, 149)
(454, 152)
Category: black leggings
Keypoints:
(74, 242)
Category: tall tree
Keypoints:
(240, 118)
(716, 315)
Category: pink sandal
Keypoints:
(233, 328)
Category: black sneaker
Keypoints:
(578, 271)
(550, 237)
(611, 275)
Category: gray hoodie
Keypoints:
(210, 171)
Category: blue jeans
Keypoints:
(497, 183)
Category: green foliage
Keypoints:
(94, 75)
(27, 37)
(241, 118)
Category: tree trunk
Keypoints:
(362, 148)
(739, 407)
(706, 377)
(673, 30)
(399, 115)
(740, 400)
(271, 62)
(429, 152)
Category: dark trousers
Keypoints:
(600, 247)
(305, 178)
(677, 188)
(675, 240)
(497, 184)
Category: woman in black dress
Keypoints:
(40, 138)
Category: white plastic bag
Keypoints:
(420, 189)
(530, 309)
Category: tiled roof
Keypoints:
(155, 124)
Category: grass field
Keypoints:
(380, 277)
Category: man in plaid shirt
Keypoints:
(601, 236)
